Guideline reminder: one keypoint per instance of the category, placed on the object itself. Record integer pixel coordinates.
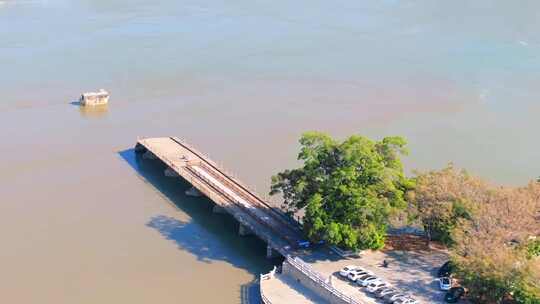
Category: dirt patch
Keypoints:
(408, 242)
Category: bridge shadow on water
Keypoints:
(208, 236)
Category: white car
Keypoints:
(390, 297)
(405, 301)
(358, 273)
(374, 286)
(382, 292)
(396, 297)
(445, 283)
(345, 271)
(364, 281)
(364, 276)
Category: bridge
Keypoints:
(230, 195)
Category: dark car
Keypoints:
(454, 294)
(445, 270)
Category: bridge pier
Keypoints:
(149, 155)
(218, 209)
(193, 192)
(170, 173)
(271, 253)
(139, 148)
(243, 230)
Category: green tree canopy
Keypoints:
(347, 189)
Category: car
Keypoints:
(355, 274)
(454, 294)
(384, 291)
(344, 272)
(366, 280)
(359, 270)
(445, 283)
(406, 301)
(394, 297)
(387, 296)
(374, 286)
(402, 300)
(445, 270)
(363, 277)
(399, 299)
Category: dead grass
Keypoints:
(409, 242)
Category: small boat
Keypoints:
(94, 98)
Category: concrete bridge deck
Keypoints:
(253, 213)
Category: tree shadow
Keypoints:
(417, 261)
(322, 253)
(208, 236)
(427, 292)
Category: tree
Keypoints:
(440, 199)
(493, 232)
(533, 248)
(347, 189)
(492, 248)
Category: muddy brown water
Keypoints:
(84, 221)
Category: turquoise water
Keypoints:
(241, 81)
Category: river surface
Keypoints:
(83, 221)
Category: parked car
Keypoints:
(445, 270)
(454, 294)
(345, 271)
(364, 276)
(364, 281)
(395, 297)
(391, 297)
(355, 274)
(386, 298)
(406, 301)
(445, 283)
(374, 286)
(384, 291)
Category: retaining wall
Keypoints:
(311, 279)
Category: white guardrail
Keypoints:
(265, 277)
(307, 270)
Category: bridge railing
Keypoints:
(253, 199)
(282, 217)
(241, 206)
(308, 271)
(266, 277)
(265, 299)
